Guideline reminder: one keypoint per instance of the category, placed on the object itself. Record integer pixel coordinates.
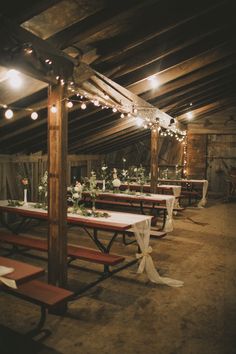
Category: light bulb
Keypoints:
(9, 114)
(34, 115)
(189, 115)
(114, 109)
(139, 121)
(154, 81)
(15, 79)
(122, 115)
(83, 106)
(53, 109)
(69, 104)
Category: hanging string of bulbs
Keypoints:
(83, 98)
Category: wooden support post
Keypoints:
(57, 203)
(154, 159)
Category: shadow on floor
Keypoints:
(12, 342)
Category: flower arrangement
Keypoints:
(116, 184)
(25, 182)
(140, 176)
(75, 195)
(43, 189)
(14, 203)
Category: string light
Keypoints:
(189, 115)
(69, 104)
(9, 114)
(83, 106)
(34, 115)
(15, 79)
(53, 109)
(185, 157)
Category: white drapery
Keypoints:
(142, 234)
(9, 282)
(169, 220)
(203, 201)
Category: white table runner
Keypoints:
(9, 282)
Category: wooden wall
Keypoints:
(15, 167)
(196, 156)
(211, 156)
(170, 153)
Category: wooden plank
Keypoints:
(23, 272)
(185, 67)
(32, 65)
(57, 201)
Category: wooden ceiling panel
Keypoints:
(190, 47)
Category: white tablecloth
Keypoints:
(169, 201)
(4, 271)
(141, 225)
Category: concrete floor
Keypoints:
(127, 314)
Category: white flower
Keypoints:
(116, 183)
(135, 169)
(40, 188)
(69, 189)
(78, 187)
(75, 195)
(104, 168)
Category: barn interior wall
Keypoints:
(170, 154)
(211, 156)
(15, 167)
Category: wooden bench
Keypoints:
(45, 295)
(74, 252)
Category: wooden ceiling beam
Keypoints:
(203, 102)
(23, 10)
(189, 80)
(96, 23)
(14, 39)
(185, 67)
(164, 55)
(190, 99)
(194, 51)
(204, 110)
(176, 96)
(117, 142)
(161, 21)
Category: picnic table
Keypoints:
(117, 222)
(191, 185)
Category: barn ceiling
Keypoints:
(189, 47)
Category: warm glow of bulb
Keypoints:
(34, 115)
(53, 109)
(122, 115)
(14, 78)
(83, 106)
(189, 115)
(139, 121)
(114, 109)
(69, 104)
(96, 103)
(9, 114)
(154, 81)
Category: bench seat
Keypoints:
(41, 293)
(83, 253)
(45, 295)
